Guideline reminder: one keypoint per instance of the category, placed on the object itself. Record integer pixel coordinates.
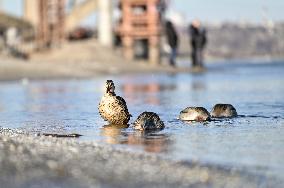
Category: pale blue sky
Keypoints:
(236, 10)
(206, 10)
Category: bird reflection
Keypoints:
(154, 142)
(113, 133)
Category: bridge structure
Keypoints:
(139, 20)
(51, 21)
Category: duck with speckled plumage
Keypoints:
(224, 111)
(194, 114)
(148, 121)
(113, 108)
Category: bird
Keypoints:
(194, 114)
(113, 108)
(224, 111)
(148, 121)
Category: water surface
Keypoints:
(254, 140)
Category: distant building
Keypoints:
(141, 20)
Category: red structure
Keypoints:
(50, 30)
(140, 20)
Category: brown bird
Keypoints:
(113, 108)
(148, 121)
(194, 114)
(224, 111)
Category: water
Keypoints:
(254, 140)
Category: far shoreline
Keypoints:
(16, 70)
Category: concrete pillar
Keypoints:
(31, 11)
(105, 32)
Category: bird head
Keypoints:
(109, 86)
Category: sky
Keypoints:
(230, 10)
(205, 10)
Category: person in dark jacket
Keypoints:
(198, 42)
(172, 38)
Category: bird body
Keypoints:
(223, 111)
(113, 108)
(148, 121)
(194, 114)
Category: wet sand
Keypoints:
(31, 160)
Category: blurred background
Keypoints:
(46, 45)
(236, 29)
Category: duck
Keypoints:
(148, 121)
(194, 114)
(224, 111)
(113, 108)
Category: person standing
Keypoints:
(198, 42)
(172, 38)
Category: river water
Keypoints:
(253, 141)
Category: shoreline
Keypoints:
(87, 59)
(28, 160)
(16, 70)
(12, 70)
